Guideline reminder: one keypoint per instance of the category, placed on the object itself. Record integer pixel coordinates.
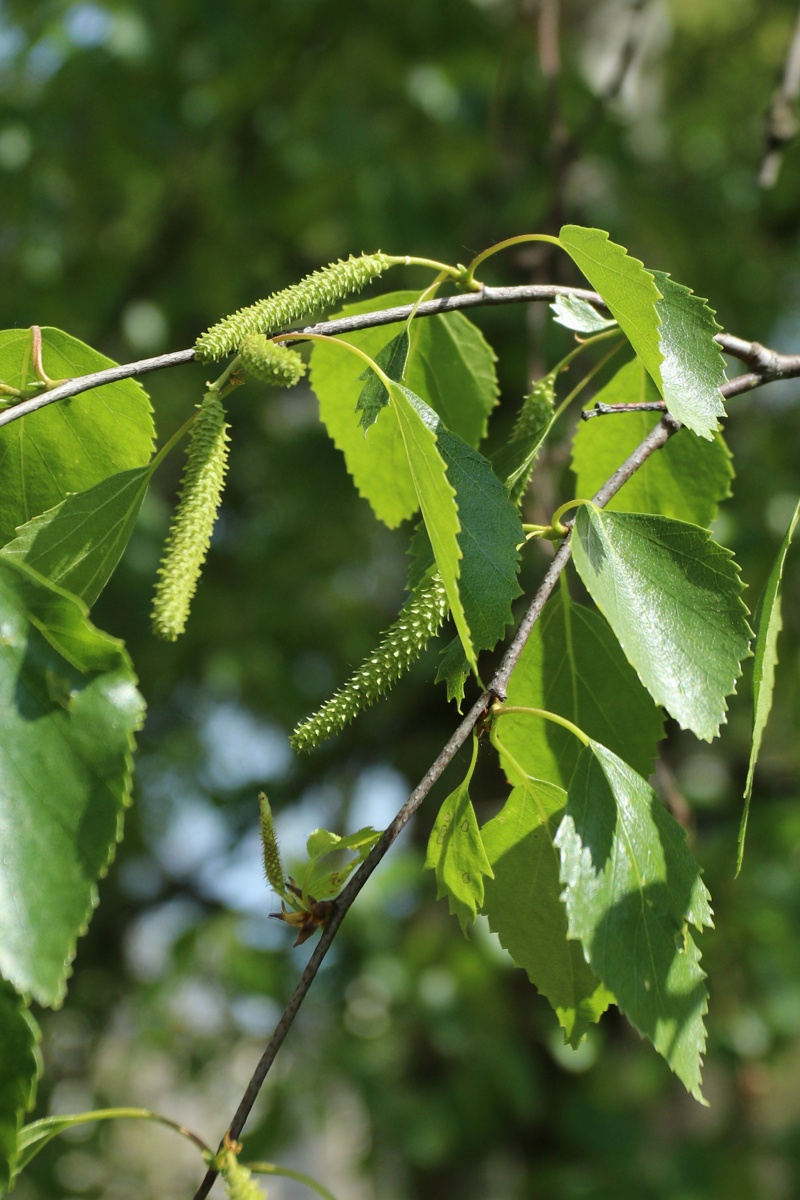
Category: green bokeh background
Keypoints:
(163, 163)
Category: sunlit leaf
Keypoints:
(577, 314)
(456, 853)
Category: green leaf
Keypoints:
(513, 462)
(453, 671)
(578, 315)
(769, 622)
(693, 370)
(70, 446)
(78, 543)
(671, 329)
(626, 286)
(70, 708)
(631, 888)
(686, 480)
(373, 396)
(321, 884)
(573, 665)
(524, 907)
(456, 853)
(418, 425)
(21, 1067)
(450, 366)
(673, 598)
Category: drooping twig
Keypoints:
(782, 125)
(496, 690)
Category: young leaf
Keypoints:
(70, 709)
(66, 447)
(631, 889)
(626, 286)
(450, 366)
(693, 370)
(524, 907)
(21, 1066)
(374, 396)
(321, 884)
(674, 600)
(78, 543)
(513, 462)
(769, 623)
(573, 665)
(456, 853)
(687, 479)
(578, 315)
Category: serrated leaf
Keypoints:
(71, 446)
(631, 889)
(572, 665)
(70, 708)
(769, 622)
(671, 329)
(513, 462)
(373, 396)
(626, 286)
(578, 315)
(687, 479)
(453, 671)
(21, 1067)
(450, 366)
(456, 853)
(78, 543)
(418, 426)
(524, 907)
(693, 370)
(673, 597)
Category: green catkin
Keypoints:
(418, 621)
(270, 361)
(273, 867)
(189, 536)
(239, 1181)
(319, 290)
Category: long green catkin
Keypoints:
(418, 621)
(319, 290)
(189, 536)
(273, 867)
(270, 361)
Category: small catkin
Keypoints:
(189, 536)
(319, 290)
(418, 621)
(239, 1181)
(270, 361)
(273, 867)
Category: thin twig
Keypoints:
(782, 124)
(496, 690)
(767, 364)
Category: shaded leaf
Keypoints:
(453, 671)
(673, 598)
(578, 315)
(70, 709)
(21, 1067)
(769, 622)
(78, 543)
(687, 479)
(513, 462)
(71, 446)
(456, 853)
(374, 396)
(631, 889)
(693, 370)
(524, 907)
(573, 665)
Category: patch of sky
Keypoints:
(241, 748)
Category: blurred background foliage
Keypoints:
(165, 161)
